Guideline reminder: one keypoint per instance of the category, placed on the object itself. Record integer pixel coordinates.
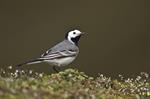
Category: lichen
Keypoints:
(69, 84)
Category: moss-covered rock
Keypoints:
(70, 84)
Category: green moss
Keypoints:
(70, 84)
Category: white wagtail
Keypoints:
(62, 53)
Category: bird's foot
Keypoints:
(56, 69)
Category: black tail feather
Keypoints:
(34, 61)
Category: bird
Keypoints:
(61, 54)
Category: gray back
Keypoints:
(62, 46)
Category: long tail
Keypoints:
(34, 61)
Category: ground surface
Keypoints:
(71, 84)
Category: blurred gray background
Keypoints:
(116, 41)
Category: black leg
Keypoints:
(56, 69)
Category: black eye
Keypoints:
(74, 32)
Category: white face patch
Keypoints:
(73, 34)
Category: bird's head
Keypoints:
(74, 35)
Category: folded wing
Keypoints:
(58, 54)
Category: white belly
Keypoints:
(61, 61)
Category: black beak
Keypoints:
(82, 33)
